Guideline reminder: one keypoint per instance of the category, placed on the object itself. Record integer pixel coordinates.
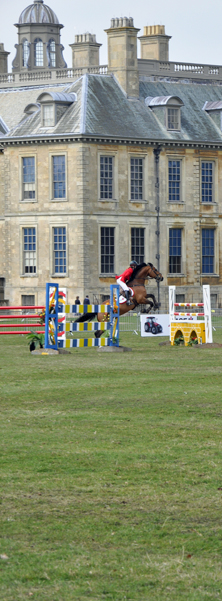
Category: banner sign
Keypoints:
(155, 325)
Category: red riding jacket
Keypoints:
(126, 275)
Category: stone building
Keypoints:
(103, 164)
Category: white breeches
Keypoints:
(122, 284)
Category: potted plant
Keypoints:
(35, 340)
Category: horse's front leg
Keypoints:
(155, 304)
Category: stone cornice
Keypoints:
(93, 139)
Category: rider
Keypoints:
(124, 277)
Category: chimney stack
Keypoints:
(122, 54)
(155, 43)
(85, 51)
(3, 59)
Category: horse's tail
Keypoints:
(85, 317)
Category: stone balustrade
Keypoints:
(24, 78)
(177, 70)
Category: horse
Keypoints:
(139, 295)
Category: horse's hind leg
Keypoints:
(85, 317)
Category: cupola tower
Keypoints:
(39, 44)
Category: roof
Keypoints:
(38, 12)
(57, 97)
(162, 100)
(102, 109)
(213, 106)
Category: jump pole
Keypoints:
(57, 326)
(202, 328)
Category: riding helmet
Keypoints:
(133, 264)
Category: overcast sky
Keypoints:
(195, 25)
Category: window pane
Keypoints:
(29, 250)
(207, 251)
(106, 177)
(175, 237)
(207, 181)
(59, 177)
(25, 53)
(136, 179)
(174, 180)
(52, 53)
(28, 300)
(48, 115)
(107, 249)
(137, 244)
(173, 118)
(28, 177)
(38, 53)
(59, 249)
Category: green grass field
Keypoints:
(111, 481)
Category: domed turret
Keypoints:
(38, 13)
(39, 44)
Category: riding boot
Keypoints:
(127, 293)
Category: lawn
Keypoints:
(111, 482)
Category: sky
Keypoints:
(195, 25)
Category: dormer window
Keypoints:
(54, 105)
(214, 109)
(48, 115)
(167, 109)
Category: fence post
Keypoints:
(51, 316)
(114, 315)
(207, 313)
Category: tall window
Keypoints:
(25, 53)
(175, 239)
(28, 178)
(59, 177)
(174, 174)
(52, 53)
(38, 53)
(207, 181)
(107, 249)
(106, 177)
(207, 251)
(29, 250)
(48, 115)
(136, 179)
(137, 244)
(173, 119)
(59, 250)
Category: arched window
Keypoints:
(38, 53)
(52, 53)
(25, 53)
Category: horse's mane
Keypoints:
(135, 271)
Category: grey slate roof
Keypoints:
(102, 109)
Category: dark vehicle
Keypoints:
(152, 326)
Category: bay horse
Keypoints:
(140, 296)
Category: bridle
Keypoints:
(157, 277)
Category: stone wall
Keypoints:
(84, 213)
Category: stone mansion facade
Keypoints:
(103, 164)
